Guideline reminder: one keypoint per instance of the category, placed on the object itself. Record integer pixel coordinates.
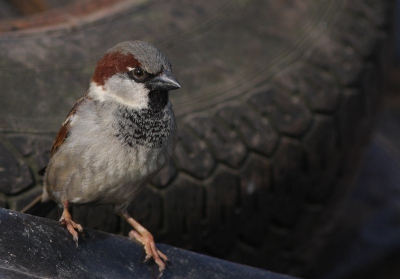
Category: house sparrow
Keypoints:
(116, 137)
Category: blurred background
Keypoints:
(289, 124)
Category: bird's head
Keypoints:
(134, 73)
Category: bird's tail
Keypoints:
(34, 202)
(38, 207)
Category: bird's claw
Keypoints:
(151, 250)
(71, 226)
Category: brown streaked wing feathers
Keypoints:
(63, 133)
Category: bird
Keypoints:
(116, 138)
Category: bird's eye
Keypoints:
(138, 75)
(138, 72)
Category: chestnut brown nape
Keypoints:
(111, 64)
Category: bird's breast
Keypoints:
(109, 157)
(143, 127)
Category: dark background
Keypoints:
(366, 240)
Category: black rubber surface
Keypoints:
(33, 247)
(278, 99)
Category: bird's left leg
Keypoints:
(142, 235)
(66, 220)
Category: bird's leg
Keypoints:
(146, 238)
(71, 225)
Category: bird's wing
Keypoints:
(64, 131)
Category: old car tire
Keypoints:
(277, 101)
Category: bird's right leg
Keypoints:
(66, 220)
(142, 235)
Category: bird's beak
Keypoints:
(163, 82)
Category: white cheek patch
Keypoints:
(125, 92)
(96, 92)
(141, 97)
